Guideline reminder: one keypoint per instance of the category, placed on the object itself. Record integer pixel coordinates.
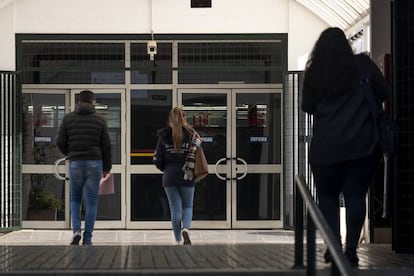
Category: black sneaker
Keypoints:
(76, 238)
(352, 257)
(186, 237)
(327, 256)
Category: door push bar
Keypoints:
(57, 175)
(231, 178)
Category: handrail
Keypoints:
(339, 260)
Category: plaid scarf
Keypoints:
(188, 167)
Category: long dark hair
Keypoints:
(331, 68)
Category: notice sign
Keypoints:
(258, 139)
(207, 139)
(43, 139)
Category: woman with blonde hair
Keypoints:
(174, 156)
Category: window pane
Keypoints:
(149, 112)
(258, 197)
(258, 128)
(213, 62)
(148, 199)
(42, 114)
(146, 71)
(109, 207)
(43, 197)
(84, 63)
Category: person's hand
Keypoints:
(104, 173)
(188, 171)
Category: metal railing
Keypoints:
(340, 265)
(10, 182)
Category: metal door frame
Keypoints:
(62, 167)
(231, 169)
(116, 168)
(216, 168)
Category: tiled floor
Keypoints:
(139, 252)
(148, 237)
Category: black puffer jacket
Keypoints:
(83, 135)
(169, 161)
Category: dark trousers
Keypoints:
(352, 178)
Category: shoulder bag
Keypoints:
(200, 165)
(385, 126)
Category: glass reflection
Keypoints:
(207, 113)
(148, 200)
(210, 199)
(109, 205)
(149, 112)
(43, 197)
(258, 197)
(109, 106)
(258, 128)
(42, 114)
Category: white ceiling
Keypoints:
(338, 13)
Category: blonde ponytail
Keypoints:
(178, 123)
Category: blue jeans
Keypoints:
(180, 200)
(84, 175)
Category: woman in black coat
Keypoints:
(174, 156)
(344, 152)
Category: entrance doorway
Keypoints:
(45, 178)
(241, 133)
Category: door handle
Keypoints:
(216, 166)
(227, 178)
(245, 166)
(57, 175)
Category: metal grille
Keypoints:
(247, 62)
(403, 230)
(9, 152)
(144, 70)
(297, 133)
(85, 63)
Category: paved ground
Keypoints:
(154, 253)
(146, 237)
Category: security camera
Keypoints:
(152, 48)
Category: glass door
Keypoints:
(256, 158)
(110, 103)
(241, 133)
(209, 113)
(45, 197)
(146, 200)
(45, 180)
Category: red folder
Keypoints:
(106, 186)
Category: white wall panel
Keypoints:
(133, 16)
(304, 30)
(82, 16)
(7, 41)
(163, 16)
(225, 16)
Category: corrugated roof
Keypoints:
(338, 13)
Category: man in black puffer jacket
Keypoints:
(84, 138)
